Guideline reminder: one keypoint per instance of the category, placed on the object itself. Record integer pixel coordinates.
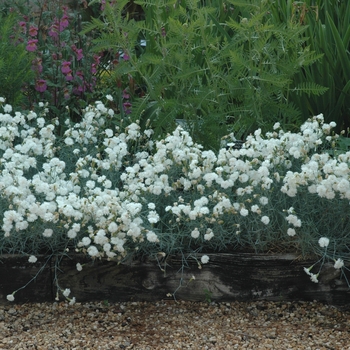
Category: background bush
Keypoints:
(217, 66)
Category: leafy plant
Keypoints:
(207, 295)
(62, 69)
(327, 32)
(15, 61)
(215, 67)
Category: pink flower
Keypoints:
(23, 26)
(40, 85)
(66, 67)
(64, 23)
(33, 31)
(127, 107)
(125, 94)
(78, 52)
(97, 59)
(66, 94)
(31, 45)
(69, 76)
(53, 31)
(37, 65)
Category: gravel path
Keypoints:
(174, 325)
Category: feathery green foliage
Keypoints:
(217, 67)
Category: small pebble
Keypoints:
(174, 325)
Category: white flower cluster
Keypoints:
(98, 191)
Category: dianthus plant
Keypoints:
(113, 192)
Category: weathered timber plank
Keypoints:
(227, 277)
(16, 272)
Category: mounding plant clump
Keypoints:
(112, 191)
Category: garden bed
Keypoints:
(227, 277)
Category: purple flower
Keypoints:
(97, 59)
(125, 95)
(65, 67)
(53, 31)
(23, 26)
(93, 68)
(66, 94)
(37, 65)
(31, 45)
(127, 107)
(78, 52)
(40, 85)
(64, 23)
(69, 76)
(33, 31)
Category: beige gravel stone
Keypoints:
(174, 325)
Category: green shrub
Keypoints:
(15, 61)
(216, 67)
(327, 32)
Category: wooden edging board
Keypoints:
(227, 277)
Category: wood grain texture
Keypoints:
(227, 277)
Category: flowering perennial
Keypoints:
(109, 191)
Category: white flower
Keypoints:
(32, 259)
(69, 141)
(205, 259)
(71, 234)
(48, 232)
(276, 126)
(244, 212)
(109, 97)
(2, 100)
(195, 233)
(7, 108)
(86, 241)
(92, 251)
(66, 292)
(10, 297)
(112, 227)
(313, 277)
(209, 234)
(109, 132)
(291, 232)
(323, 242)
(339, 264)
(72, 301)
(254, 208)
(151, 206)
(79, 267)
(265, 220)
(152, 237)
(153, 217)
(293, 219)
(90, 184)
(307, 270)
(263, 200)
